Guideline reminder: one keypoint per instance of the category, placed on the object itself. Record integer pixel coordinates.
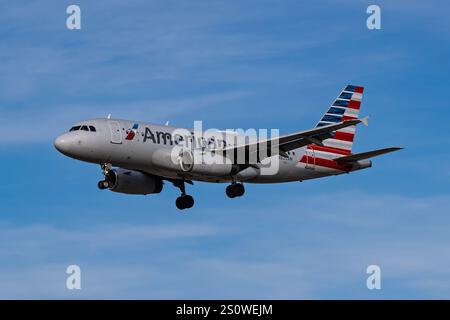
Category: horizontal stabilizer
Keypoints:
(365, 155)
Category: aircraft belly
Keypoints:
(139, 156)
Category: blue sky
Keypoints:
(232, 64)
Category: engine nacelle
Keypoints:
(133, 182)
(362, 164)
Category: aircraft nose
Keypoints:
(62, 144)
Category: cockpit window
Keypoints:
(76, 128)
(83, 128)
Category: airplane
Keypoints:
(138, 157)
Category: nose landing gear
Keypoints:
(106, 183)
(235, 190)
(103, 184)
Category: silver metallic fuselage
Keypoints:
(147, 153)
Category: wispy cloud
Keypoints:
(289, 259)
(125, 63)
(36, 126)
(245, 64)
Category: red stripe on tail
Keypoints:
(345, 118)
(331, 164)
(353, 104)
(344, 136)
(330, 149)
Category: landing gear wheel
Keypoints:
(179, 203)
(184, 202)
(103, 184)
(188, 201)
(240, 190)
(230, 191)
(235, 190)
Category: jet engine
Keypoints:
(133, 182)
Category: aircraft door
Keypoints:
(310, 159)
(116, 135)
(187, 155)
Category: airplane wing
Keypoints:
(291, 141)
(365, 155)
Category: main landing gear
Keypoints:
(235, 190)
(105, 183)
(184, 201)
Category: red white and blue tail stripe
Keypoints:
(345, 107)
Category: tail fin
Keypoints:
(345, 107)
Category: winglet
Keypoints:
(365, 121)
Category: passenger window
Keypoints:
(92, 128)
(84, 128)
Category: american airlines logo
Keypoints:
(131, 133)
